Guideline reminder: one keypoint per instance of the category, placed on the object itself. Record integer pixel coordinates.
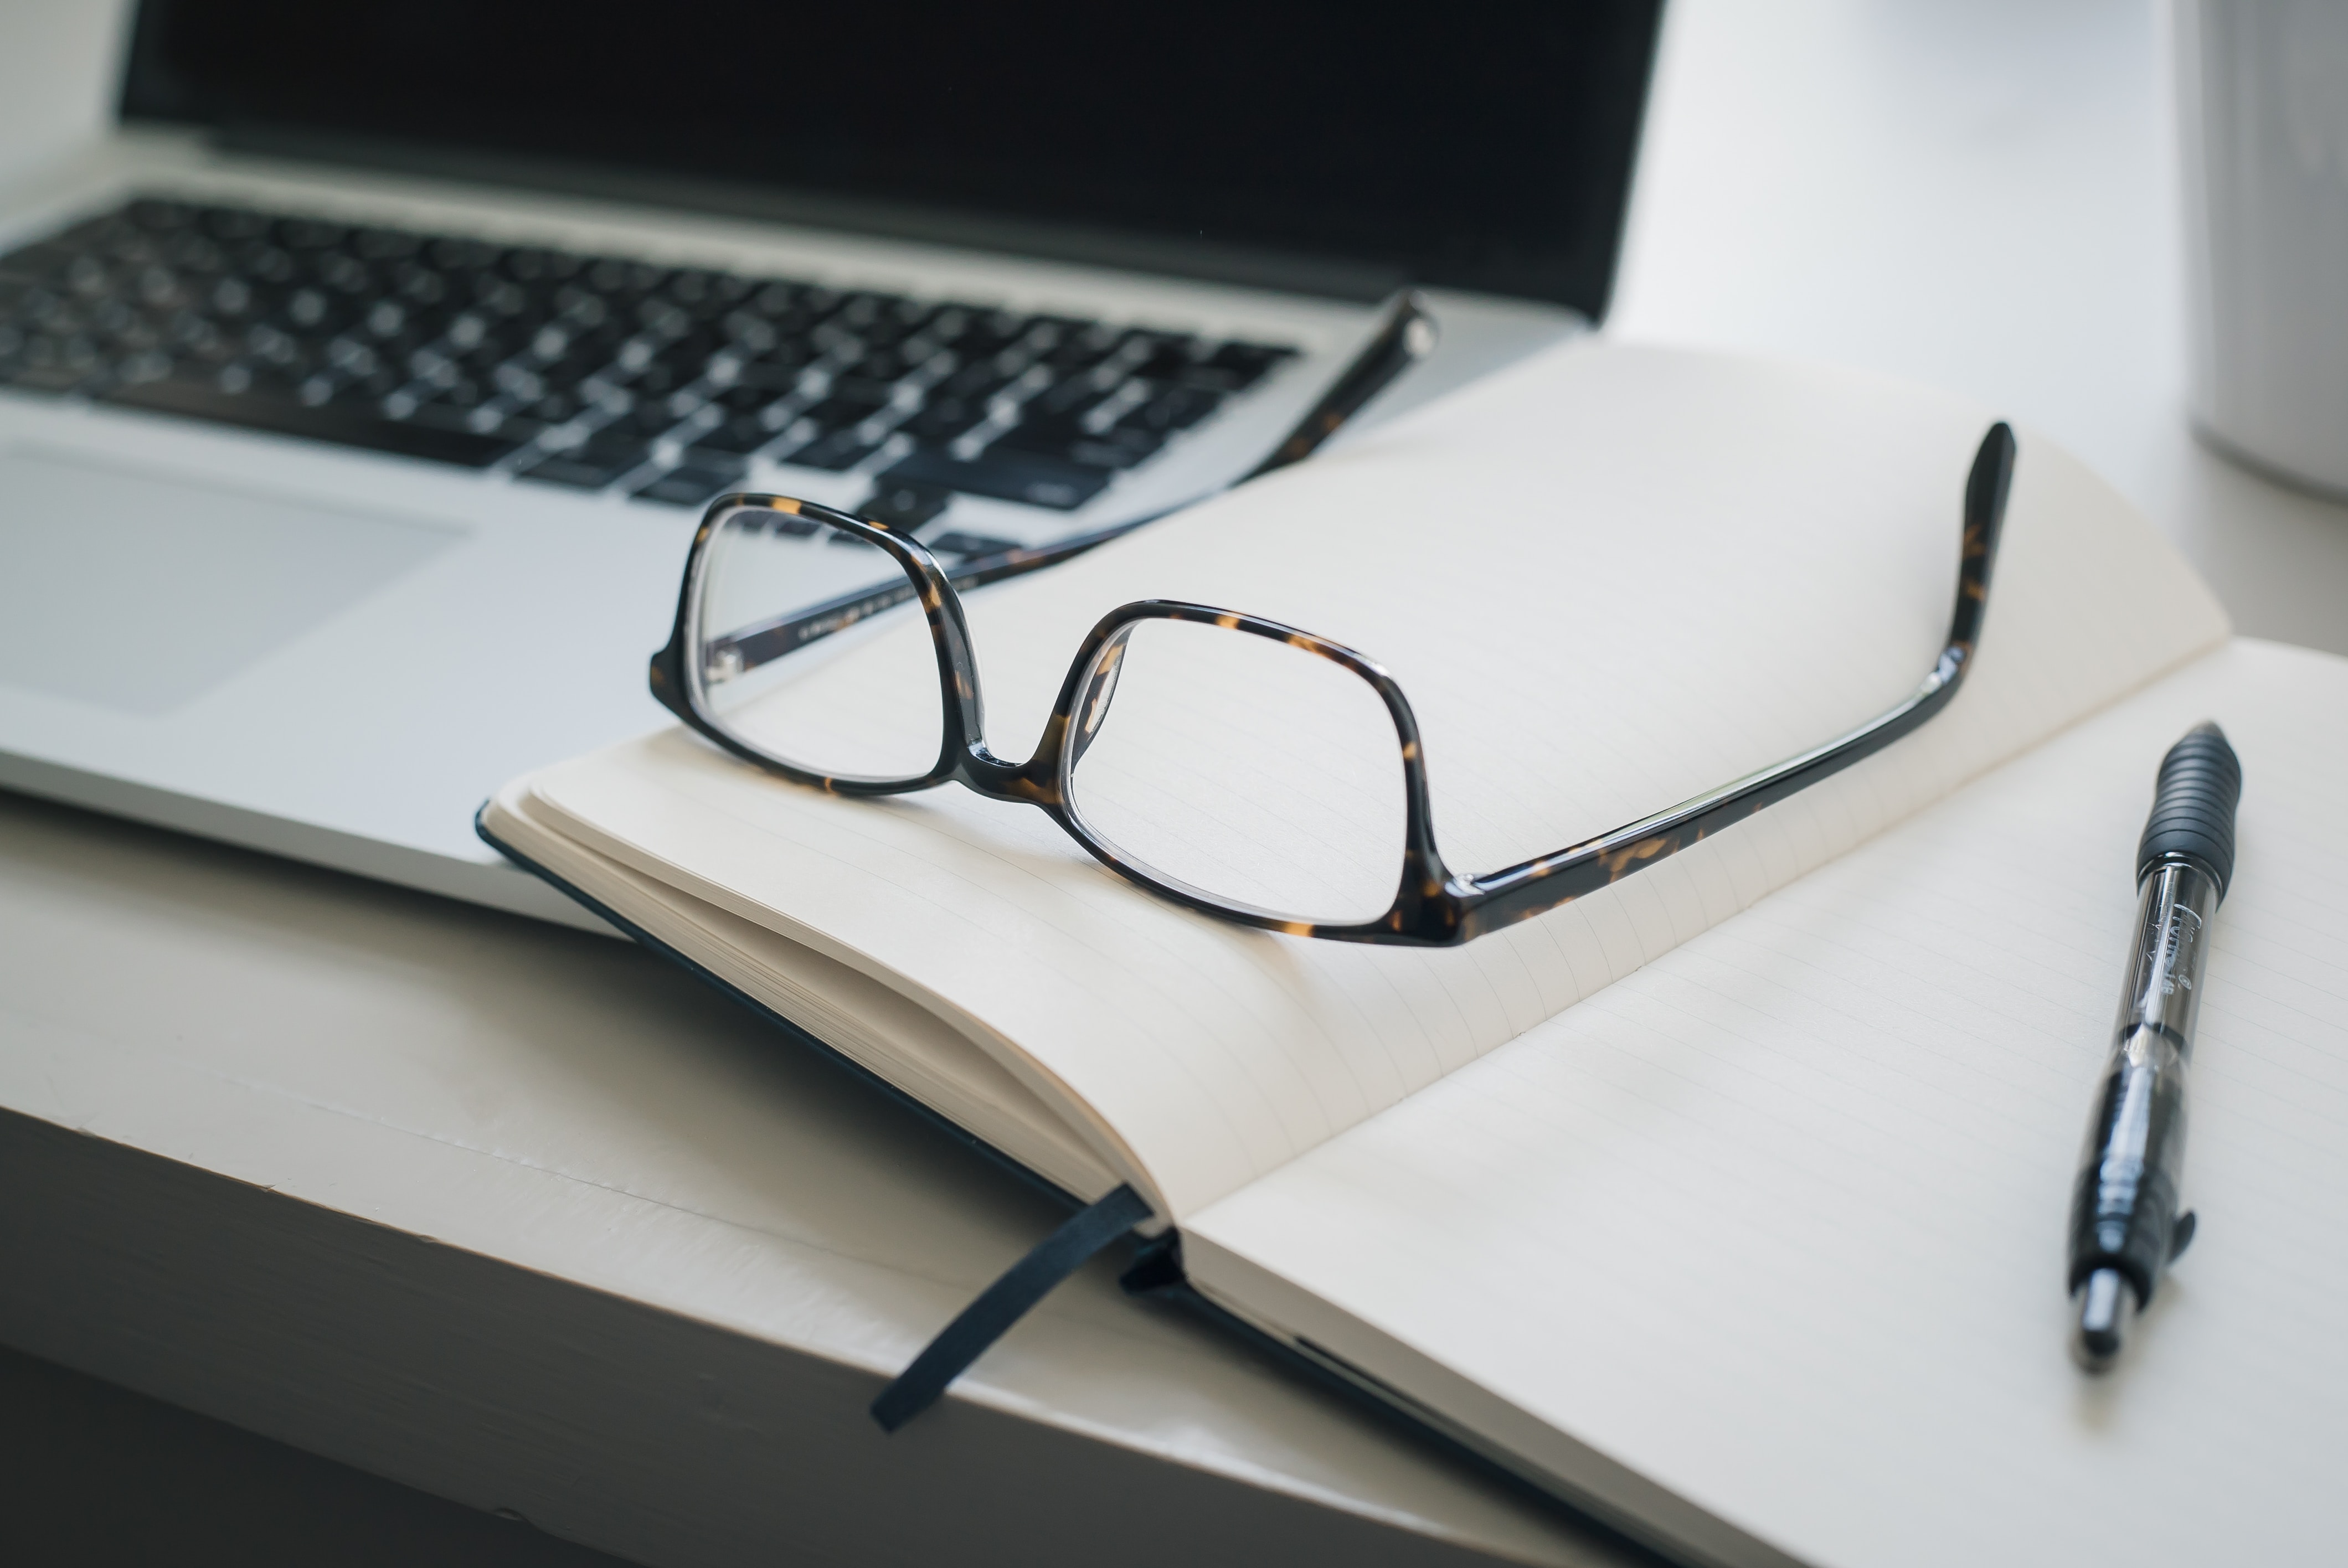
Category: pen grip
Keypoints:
(2193, 806)
(2124, 1205)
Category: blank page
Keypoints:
(1608, 580)
(871, 1024)
(1778, 1223)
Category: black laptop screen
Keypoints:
(1477, 145)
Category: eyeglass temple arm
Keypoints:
(1521, 892)
(1406, 336)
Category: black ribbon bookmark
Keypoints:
(1004, 1303)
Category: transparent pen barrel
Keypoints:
(2163, 984)
(2124, 1214)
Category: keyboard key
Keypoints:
(580, 468)
(903, 505)
(575, 367)
(977, 381)
(570, 472)
(1070, 396)
(348, 427)
(1157, 356)
(451, 407)
(1178, 408)
(511, 429)
(839, 450)
(614, 448)
(1069, 440)
(685, 356)
(943, 419)
(739, 436)
(1235, 366)
(653, 417)
(659, 380)
(1037, 480)
(890, 365)
(691, 485)
(1082, 350)
(877, 390)
(741, 399)
(839, 412)
(775, 372)
(554, 408)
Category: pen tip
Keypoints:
(2106, 1306)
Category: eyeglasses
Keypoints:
(1234, 765)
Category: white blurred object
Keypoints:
(2263, 100)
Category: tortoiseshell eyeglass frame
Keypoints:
(1432, 906)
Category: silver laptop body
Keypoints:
(439, 554)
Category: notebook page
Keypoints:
(1778, 1223)
(871, 1024)
(1607, 580)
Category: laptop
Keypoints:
(360, 391)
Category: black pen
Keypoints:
(2125, 1225)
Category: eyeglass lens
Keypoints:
(1252, 770)
(878, 712)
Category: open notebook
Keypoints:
(1727, 1203)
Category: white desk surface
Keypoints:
(521, 1216)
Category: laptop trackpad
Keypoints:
(143, 593)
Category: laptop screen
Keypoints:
(1484, 146)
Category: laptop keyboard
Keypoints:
(594, 372)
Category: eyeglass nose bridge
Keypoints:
(1074, 722)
